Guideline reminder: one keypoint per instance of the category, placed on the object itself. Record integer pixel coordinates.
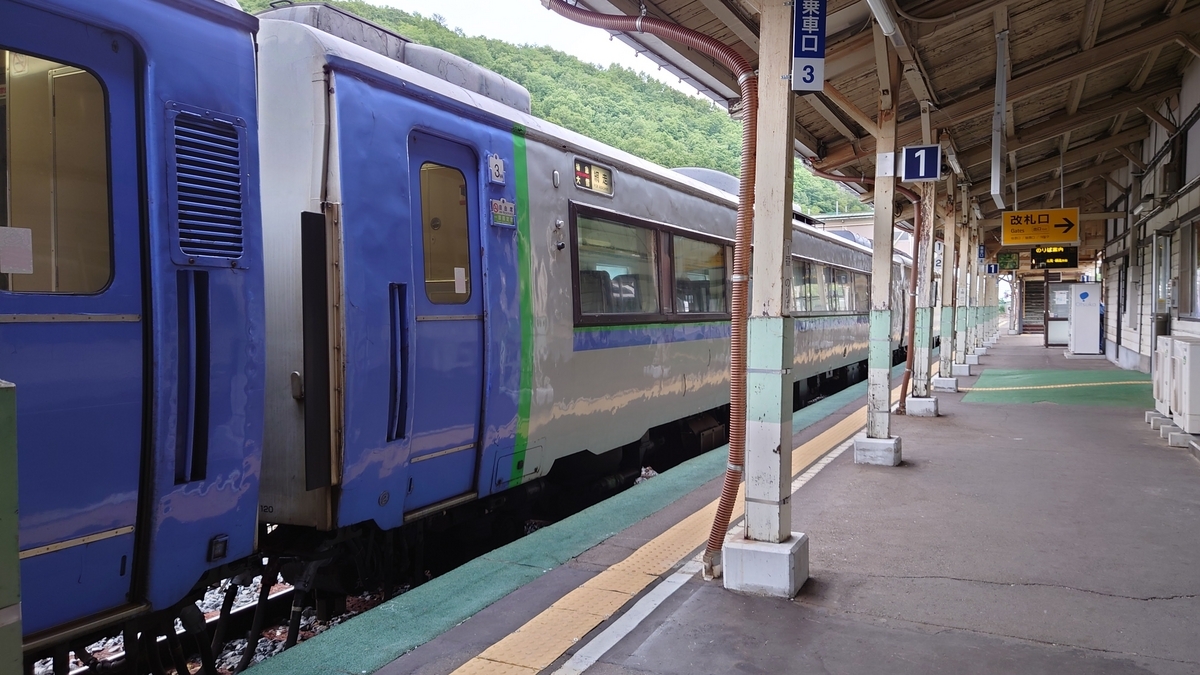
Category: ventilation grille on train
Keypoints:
(208, 175)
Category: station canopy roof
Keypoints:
(1086, 78)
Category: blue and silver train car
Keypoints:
(461, 296)
(131, 301)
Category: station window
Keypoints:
(445, 234)
(699, 276)
(54, 160)
(617, 265)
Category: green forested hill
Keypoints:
(614, 105)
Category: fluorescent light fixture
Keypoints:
(951, 155)
(883, 14)
(978, 213)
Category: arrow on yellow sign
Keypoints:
(1042, 226)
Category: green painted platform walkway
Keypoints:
(1109, 387)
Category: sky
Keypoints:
(528, 22)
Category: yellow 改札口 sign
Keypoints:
(1044, 226)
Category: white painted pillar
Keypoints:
(923, 330)
(770, 559)
(949, 264)
(770, 356)
(878, 446)
(962, 301)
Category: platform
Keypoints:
(1037, 526)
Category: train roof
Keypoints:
(342, 54)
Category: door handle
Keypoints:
(398, 417)
(191, 437)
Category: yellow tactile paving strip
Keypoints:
(547, 636)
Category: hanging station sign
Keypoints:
(808, 46)
(1043, 226)
(1054, 257)
(1010, 260)
(921, 163)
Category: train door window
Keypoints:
(444, 227)
(862, 293)
(699, 276)
(616, 267)
(840, 289)
(55, 227)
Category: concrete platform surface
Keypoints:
(1015, 537)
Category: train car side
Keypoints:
(135, 336)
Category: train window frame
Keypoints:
(105, 121)
(434, 295)
(664, 269)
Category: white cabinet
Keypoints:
(1162, 374)
(1185, 375)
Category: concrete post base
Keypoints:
(1152, 415)
(881, 451)
(763, 568)
(1180, 439)
(960, 370)
(972, 359)
(921, 407)
(1166, 430)
(1158, 422)
(944, 384)
(1195, 448)
(980, 351)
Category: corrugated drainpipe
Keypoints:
(748, 82)
(911, 329)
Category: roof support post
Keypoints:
(962, 301)
(878, 446)
(923, 335)
(769, 356)
(949, 262)
(999, 130)
(770, 559)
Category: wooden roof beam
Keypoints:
(1079, 154)
(852, 111)
(1059, 124)
(1031, 192)
(830, 116)
(1152, 113)
(1162, 32)
(734, 20)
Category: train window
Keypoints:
(445, 234)
(617, 266)
(699, 276)
(55, 228)
(841, 289)
(809, 287)
(862, 293)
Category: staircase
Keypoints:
(1034, 316)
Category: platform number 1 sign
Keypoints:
(808, 46)
(921, 163)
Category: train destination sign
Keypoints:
(1054, 257)
(1043, 226)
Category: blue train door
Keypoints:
(447, 349)
(71, 316)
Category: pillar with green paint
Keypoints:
(10, 570)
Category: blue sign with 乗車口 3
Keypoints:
(808, 46)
